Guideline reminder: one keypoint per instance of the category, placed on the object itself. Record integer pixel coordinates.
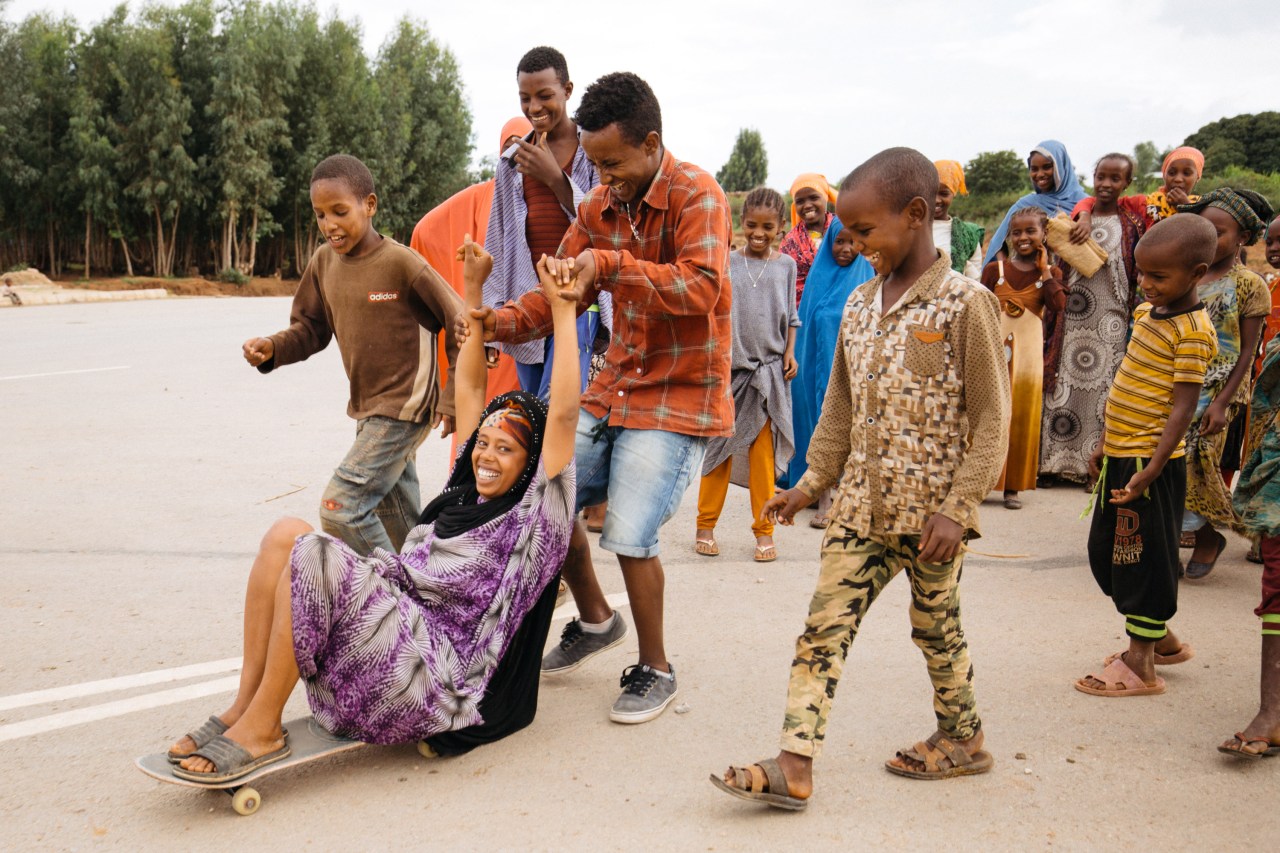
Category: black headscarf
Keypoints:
(1250, 209)
(458, 508)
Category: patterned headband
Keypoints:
(514, 421)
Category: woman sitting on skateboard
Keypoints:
(395, 648)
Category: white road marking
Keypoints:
(53, 722)
(120, 707)
(63, 373)
(124, 682)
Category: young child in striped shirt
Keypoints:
(1139, 464)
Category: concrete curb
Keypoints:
(64, 296)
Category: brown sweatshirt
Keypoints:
(386, 309)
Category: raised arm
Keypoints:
(470, 377)
(563, 291)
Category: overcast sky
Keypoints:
(827, 85)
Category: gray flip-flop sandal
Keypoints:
(230, 760)
(207, 731)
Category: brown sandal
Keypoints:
(932, 752)
(766, 553)
(1237, 748)
(706, 547)
(1119, 680)
(760, 782)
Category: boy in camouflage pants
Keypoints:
(914, 430)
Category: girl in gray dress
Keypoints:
(764, 362)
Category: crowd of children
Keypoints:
(839, 355)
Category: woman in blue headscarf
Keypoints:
(1056, 189)
(837, 269)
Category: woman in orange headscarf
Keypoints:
(438, 235)
(962, 240)
(1181, 169)
(810, 194)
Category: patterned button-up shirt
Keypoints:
(666, 263)
(916, 416)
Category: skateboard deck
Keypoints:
(308, 739)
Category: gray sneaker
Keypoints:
(577, 646)
(646, 693)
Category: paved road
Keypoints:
(134, 496)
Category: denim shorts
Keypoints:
(642, 472)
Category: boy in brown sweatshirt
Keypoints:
(386, 306)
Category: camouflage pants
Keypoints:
(853, 572)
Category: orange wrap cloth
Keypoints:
(438, 235)
(813, 181)
(518, 126)
(951, 175)
(1186, 152)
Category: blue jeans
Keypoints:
(642, 472)
(372, 500)
(536, 378)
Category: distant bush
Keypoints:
(1238, 177)
(231, 275)
(987, 209)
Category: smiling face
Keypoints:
(811, 206)
(1164, 277)
(344, 220)
(1025, 234)
(1110, 179)
(1272, 242)
(1181, 175)
(1040, 169)
(880, 234)
(942, 203)
(625, 168)
(497, 461)
(843, 249)
(760, 225)
(1230, 236)
(543, 98)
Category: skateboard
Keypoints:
(309, 740)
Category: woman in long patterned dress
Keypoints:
(1238, 302)
(1031, 294)
(1089, 340)
(393, 648)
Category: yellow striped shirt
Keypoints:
(1163, 350)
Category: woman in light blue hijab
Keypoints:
(1058, 192)
(826, 290)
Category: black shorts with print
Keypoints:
(1133, 548)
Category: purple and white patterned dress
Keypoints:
(395, 648)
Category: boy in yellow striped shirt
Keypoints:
(1139, 464)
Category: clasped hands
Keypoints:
(564, 281)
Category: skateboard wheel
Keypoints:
(246, 801)
(425, 750)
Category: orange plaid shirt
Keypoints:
(667, 268)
